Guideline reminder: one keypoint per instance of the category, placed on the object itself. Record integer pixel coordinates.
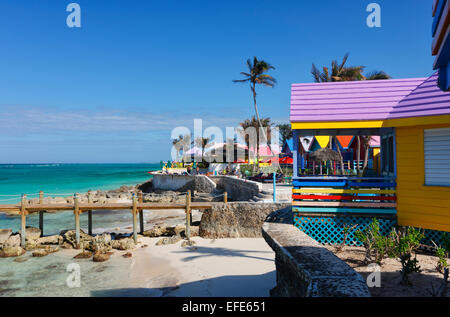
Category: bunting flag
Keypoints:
(345, 140)
(323, 140)
(307, 142)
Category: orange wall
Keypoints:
(421, 206)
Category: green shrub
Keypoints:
(405, 243)
(377, 246)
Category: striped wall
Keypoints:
(420, 206)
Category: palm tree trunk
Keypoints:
(366, 154)
(358, 154)
(341, 158)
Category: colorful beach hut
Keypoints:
(412, 116)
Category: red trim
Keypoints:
(341, 197)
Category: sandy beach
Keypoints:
(221, 267)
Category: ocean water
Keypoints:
(17, 179)
(66, 179)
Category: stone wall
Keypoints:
(236, 219)
(237, 189)
(304, 267)
(200, 183)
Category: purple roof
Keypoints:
(368, 100)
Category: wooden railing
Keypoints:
(360, 195)
(136, 206)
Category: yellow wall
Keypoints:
(421, 206)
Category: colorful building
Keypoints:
(412, 116)
(441, 41)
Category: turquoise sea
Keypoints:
(67, 179)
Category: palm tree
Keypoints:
(202, 143)
(181, 143)
(255, 123)
(340, 72)
(285, 132)
(257, 75)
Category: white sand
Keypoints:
(221, 267)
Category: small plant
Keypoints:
(377, 246)
(346, 231)
(442, 252)
(405, 243)
(442, 261)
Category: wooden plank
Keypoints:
(331, 214)
(344, 210)
(369, 184)
(343, 191)
(319, 184)
(83, 207)
(342, 197)
(343, 204)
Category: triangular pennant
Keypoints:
(307, 142)
(345, 140)
(323, 140)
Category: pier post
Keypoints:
(188, 215)
(23, 221)
(41, 213)
(89, 214)
(141, 213)
(76, 211)
(134, 211)
(225, 197)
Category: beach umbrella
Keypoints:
(286, 160)
(325, 154)
(195, 151)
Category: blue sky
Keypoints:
(112, 90)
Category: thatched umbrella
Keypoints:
(325, 154)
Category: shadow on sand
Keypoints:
(223, 286)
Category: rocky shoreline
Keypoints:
(98, 247)
(125, 194)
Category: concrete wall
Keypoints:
(200, 183)
(304, 267)
(237, 189)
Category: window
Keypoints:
(437, 156)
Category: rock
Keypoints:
(66, 245)
(171, 240)
(31, 245)
(4, 235)
(123, 244)
(83, 255)
(32, 233)
(236, 219)
(144, 246)
(56, 239)
(101, 257)
(187, 243)
(13, 241)
(9, 251)
(39, 253)
(51, 249)
(20, 260)
(127, 255)
(70, 237)
(100, 243)
(176, 231)
(156, 231)
(195, 231)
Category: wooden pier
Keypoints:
(136, 206)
